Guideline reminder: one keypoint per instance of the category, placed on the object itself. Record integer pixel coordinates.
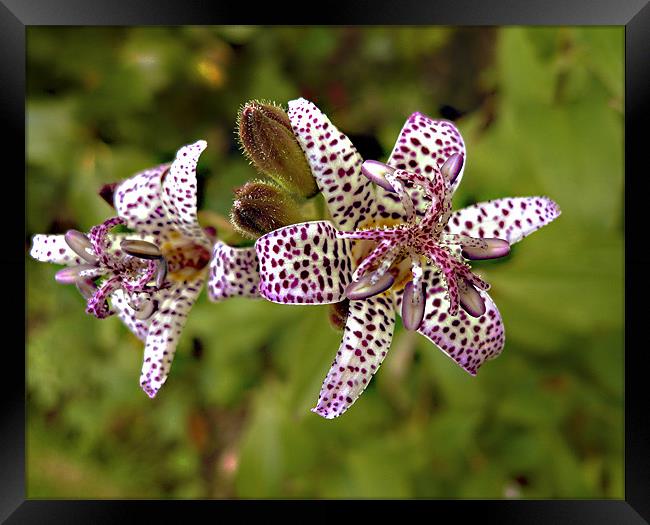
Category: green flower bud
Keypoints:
(262, 207)
(267, 139)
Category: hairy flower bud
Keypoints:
(267, 139)
(261, 207)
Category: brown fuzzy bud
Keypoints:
(262, 207)
(338, 314)
(267, 139)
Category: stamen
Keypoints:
(452, 166)
(98, 304)
(141, 249)
(494, 249)
(81, 245)
(161, 272)
(146, 276)
(86, 287)
(405, 198)
(71, 274)
(376, 171)
(470, 299)
(146, 309)
(364, 287)
(413, 304)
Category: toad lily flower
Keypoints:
(395, 246)
(154, 275)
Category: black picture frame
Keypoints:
(634, 15)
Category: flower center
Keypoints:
(421, 238)
(139, 268)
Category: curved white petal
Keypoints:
(178, 194)
(304, 263)
(510, 219)
(53, 249)
(336, 165)
(366, 340)
(164, 331)
(233, 272)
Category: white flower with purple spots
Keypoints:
(152, 277)
(394, 247)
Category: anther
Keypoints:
(376, 171)
(365, 287)
(161, 272)
(71, 274)
(141, 249)
(452, 166)
(86, 287)
(413, 304)
(470, 298)
(146, 309)
(495, 248)
(80, 244)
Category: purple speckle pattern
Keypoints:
(53, 249)
(469, 341)
(366, 340)
(304, 264)
(233, 272)
(296, 261)
(510, 219)
(160, 205)
(179, 193)
(423, 145)
(137, 201)
(336, 165)
(164, 331)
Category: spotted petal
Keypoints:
(53, 249)
(179, 193)
(469, 341)
(423, 143)
(366, 339)
(233, 272)
(336, 165)
(510, 219)
(164, 331)
(304, 264)
(137, 201)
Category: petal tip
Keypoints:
(322, 412)
(149, 390)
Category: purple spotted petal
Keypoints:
(469, 341)
(137, 201)
(233, 272)
(165, 328)
(179, 193)
(304, 264)
(335, 164)
(510, 219)
(54, 249)
(423, 143)
(367, 337)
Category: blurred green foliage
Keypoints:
(541, 113)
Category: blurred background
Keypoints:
(541, 111)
